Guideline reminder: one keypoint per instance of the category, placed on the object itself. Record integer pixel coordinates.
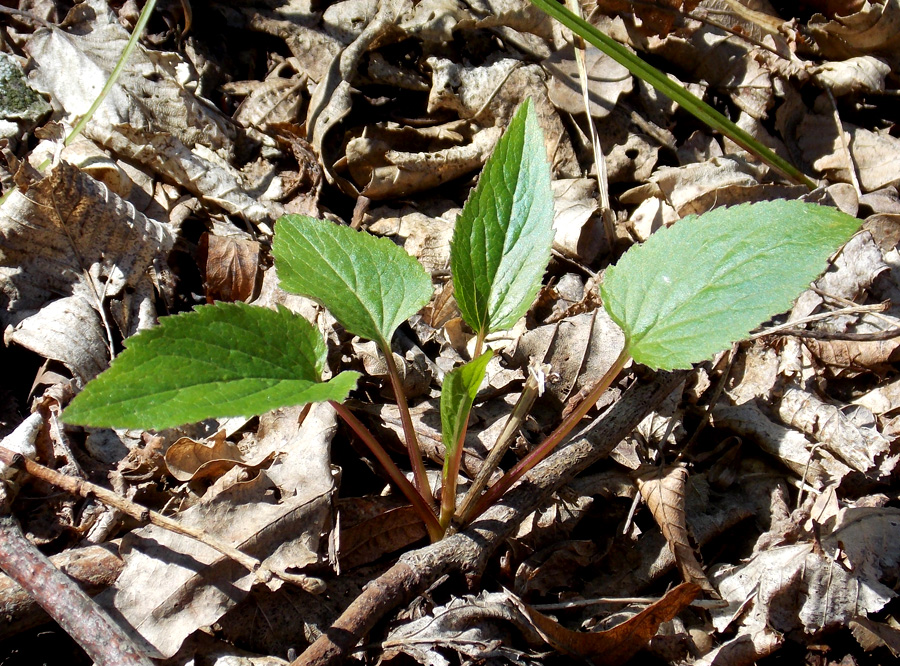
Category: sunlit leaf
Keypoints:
(501, 243)
(694, 288)
(369, 284)
(226, 359)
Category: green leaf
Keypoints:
(457, 395)
(501, 243)
(694, 288)
(226, 359)
(369, 284)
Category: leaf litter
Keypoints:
(402, 104)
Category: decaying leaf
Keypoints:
(607, 81)
(663, 491)
(149, 117)
(804, 586)
(373, 527)
(817, 468)
(165, 591)
(231, 265)
(617, 645)
(861, 448)
(71, 245)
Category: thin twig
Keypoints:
(142, 514)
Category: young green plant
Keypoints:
(685, 294)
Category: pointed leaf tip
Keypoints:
(225, 359)
(693, 288)
(457, 396)
(501, 243)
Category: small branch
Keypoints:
(409, 431)
(104, 641)
(142, 514)
(422, 509)
(544, 448)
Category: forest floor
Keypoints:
(744, 511)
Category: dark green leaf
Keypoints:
(226, 359)
(501, 243)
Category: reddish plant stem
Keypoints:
(450, 477)
(104, 641)
(409, 431)
(435, 531)
(544, 448)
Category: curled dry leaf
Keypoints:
(818, 468)
(663, 491)
(617, 645)
(858, 447)
(190, 460)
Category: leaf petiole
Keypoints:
(435, 531)
(409, 431)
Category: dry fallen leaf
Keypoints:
(663, 491)
(617, 645)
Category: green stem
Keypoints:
(543, 450)
(409, 431)
(676, 92)
(450, 478)
(435, 531)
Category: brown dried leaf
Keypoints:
(172, 585)
(663, 491)
(67, 245)
(816, 586)
(617, 645)
(554, 567)
(372, 527)
(190, 460)
(231, 265)
(847, 358)
(858, 447)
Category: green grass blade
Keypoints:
(665, 85)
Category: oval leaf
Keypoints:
(501, 243)
(369, 284)
(457, 395)
(694, 288)
(226, 359)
